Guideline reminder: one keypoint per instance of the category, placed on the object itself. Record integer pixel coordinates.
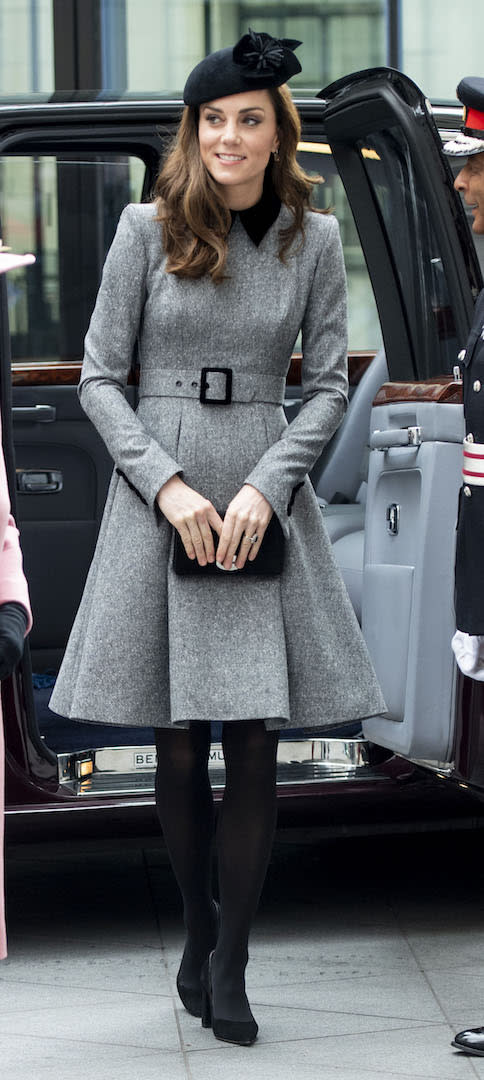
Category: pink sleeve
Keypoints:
(13, 584)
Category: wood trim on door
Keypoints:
(67, 372)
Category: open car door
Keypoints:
(425, 277)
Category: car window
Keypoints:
(363, 325)
(64, 209)
(417, 259)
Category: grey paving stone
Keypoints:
(334, 943)
(139, 971)
(131, 1020)
(316, 950)
(279, 1025)
(452, 947)
(49, 1059)
(329, 958)
(380, 1056)
(460, 995)
(421, 1051)
(284, 969)
(408, 997)
(380, 994)
(30, 997)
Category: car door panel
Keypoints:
(425, 276)
(66, 201)
(59, 528)
(408, 612)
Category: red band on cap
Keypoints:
(474, 120)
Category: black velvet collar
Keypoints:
(258, 219)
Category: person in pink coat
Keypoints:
(15, 614)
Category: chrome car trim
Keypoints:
(444, 769)
(131, 769)
(74, 806)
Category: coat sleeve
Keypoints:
(108, 356)
(324, 382)
(13, 585)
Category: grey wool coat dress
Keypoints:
(152, 648)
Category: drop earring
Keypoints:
(276, 155)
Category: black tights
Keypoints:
(246, 823)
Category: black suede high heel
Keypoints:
(241, 1032)
(191, 996)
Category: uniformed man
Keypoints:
(468, 642)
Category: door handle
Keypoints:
(386, 440)
(40, 414)
(39, 481)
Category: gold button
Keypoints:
(477, 386)
(467, 491)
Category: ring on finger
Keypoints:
(251, 539)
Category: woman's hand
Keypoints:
(247, 515)
(192, 516)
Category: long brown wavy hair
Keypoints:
(194, 218)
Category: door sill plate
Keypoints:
(125, 770)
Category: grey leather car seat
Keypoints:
(343, 471)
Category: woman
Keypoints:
(215, 280)
(15, 614)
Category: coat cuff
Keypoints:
(156, 470)
(276, 495)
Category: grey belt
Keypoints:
(213, 385)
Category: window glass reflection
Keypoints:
(26, 47)
(364, 326)
(411, 239)
(65, 210)
(164, 41)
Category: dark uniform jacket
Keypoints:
(469, 570)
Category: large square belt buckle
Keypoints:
(205, 385)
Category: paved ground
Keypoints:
(367, 955)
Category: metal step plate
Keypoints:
(124, 770)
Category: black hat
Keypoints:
(470, 139)
(256, 62)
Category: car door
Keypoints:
(425, 277)
(64, 180)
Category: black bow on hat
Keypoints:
(256, 62)
(261, 54)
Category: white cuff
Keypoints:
(469, 654)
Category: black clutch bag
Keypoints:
(268, 563)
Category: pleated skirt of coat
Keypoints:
(151, 648)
